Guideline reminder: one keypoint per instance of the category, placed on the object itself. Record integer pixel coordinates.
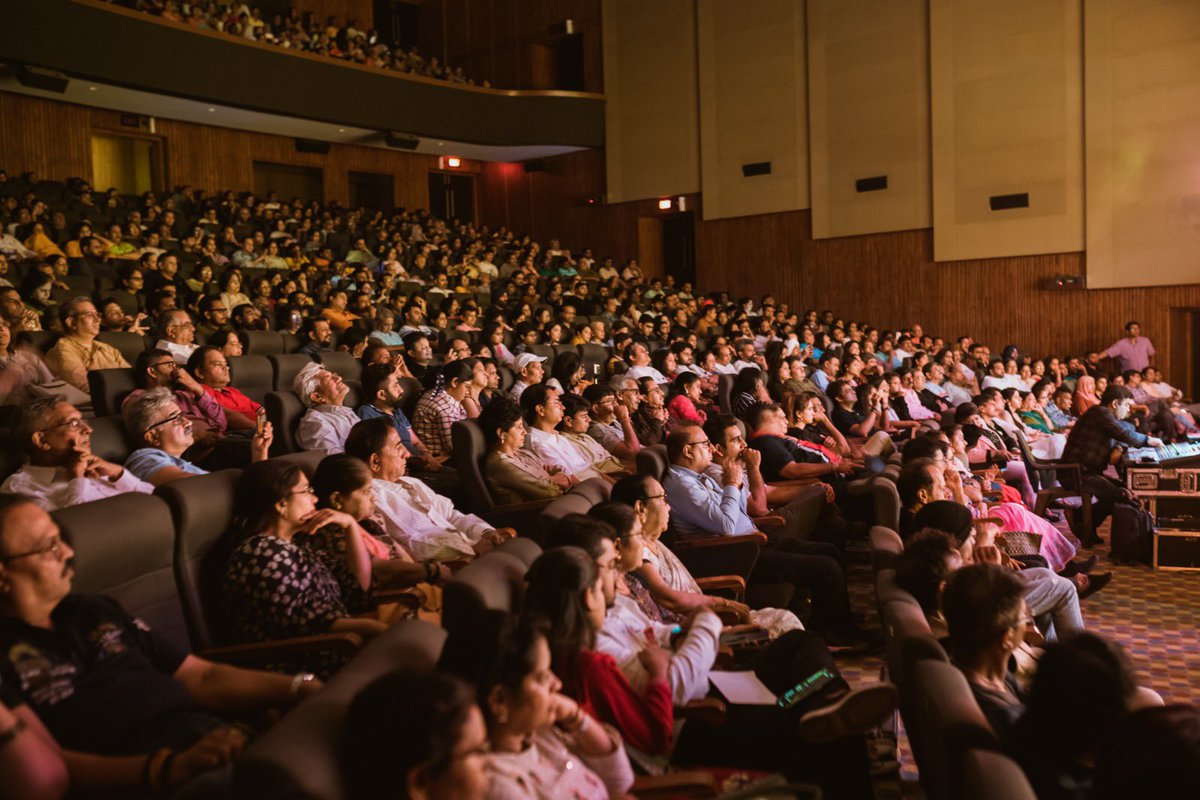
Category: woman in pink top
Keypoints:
(686, 392)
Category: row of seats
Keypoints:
(957, 752)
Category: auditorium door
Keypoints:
(452, 196)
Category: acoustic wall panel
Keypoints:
(1007, 119)
(868, 116)
(651, 141)
(753, 128)
(1142, 124)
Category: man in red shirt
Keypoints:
(209, 367)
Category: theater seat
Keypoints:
(994, 776)
(109, 388)
(412, 393)
(124, 549)
(286, 368)
(949, 722)
(470, 451)
(341, 362)
(131, 345)
(524, 549)
(264, 343)
(493, 581)
(886, 547)
(908, 642)
(252, 375)
(109, 440)
(653, 461)
(284, 412)
(725, 393)
(308, 460)
(886, 590)
(38, 340)
(297, 759)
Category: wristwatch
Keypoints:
(301, 678)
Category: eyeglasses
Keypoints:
(700, 442)
(170, 362)
(302, 490)
(654, 497)
(75, 424)
(53, 547)
(86, 315)
(176, 418)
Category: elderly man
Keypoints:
(703, 506)
(530, 372)
(327, 422)
(131, 710)
(78, 351)
(612, 410)
(62, 470)
(543, 413)
(639, 358)
(414, 514)
(178, 334)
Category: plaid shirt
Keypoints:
(436, 413)
(1093, 438)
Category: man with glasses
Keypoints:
(178, 334)
(214, 316)
(612, 416)
(543, 413)
(78, 351)
(62, 470)
(702, 506)
(133, 712)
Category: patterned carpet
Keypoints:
(1155, 615)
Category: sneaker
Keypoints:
(856, 712)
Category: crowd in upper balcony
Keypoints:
(303, 32)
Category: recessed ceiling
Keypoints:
(148, 104)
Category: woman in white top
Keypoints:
(543, 745)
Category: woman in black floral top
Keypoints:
(275, 585)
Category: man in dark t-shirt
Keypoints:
(105, 683)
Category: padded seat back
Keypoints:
(286, 368)
(38, 340)
(109, 440)
(130, 345)
(494, 581)
(202, 511)
(291, 342)
(949, 722)
(886, 590)
(559, 507)
(989, 775)
(109, 388)
(594, 354)
(725, 393)
(252, 375)
(124, 549)
(284, 412)
(470, 451)
(653, 461)
(412, 393)
(341, 362)
(886, 547)
(308, 460)
(298, 757)
(546, 352)
(523, 549)
(885, 499)
(264, 343)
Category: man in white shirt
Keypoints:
(178, 335)
(529, 373)
(612, 421)
(327, 422)
(747, 357)
(62, 470)
(724, 364)
(543, 412)
(639, 357)
(424, 521)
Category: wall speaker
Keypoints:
(875, 184)
(1002, 202)
(401, 141)
(45, 79)
(1065, 282)
(312, 146)
(757, 168)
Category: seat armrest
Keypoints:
(709, 710)
(735, 584)
(708, 542)
(258, 653)
(675, 784)
(769, 522)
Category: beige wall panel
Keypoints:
(650, 115)
(751, 67)
(1142, 127)
(868, 112)
(1006, 95)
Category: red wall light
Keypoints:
(664, 204)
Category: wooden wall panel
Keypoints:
(342, 10)
(45, 138)
(1142, 123)
(1006, 99)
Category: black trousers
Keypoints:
(817, 569)
(1106, 491)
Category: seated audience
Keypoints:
(425, 522)
(131, 711)
(530, 372)
(77, 351)
(24, 374)
(178, 335)
(513, 473)
(543, 413)
(455, 397)
(574, 428)
(210, 367)
(61, 469)
(612, 410)
(327, 421)
(536, 732)
(650, 418)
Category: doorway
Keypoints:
(679, 247)
(288, 180)
(372, 190)
(452, 196)
(131, 164)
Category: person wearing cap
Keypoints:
(1091, 445)
(529, 372)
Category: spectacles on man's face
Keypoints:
(73, 424)
(53, 546)
(700, 443)
(176, 418)
(86, 315)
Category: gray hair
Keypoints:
(31, 418)
(168, 318)
(146, 409)
(618, 382)
(305, 382)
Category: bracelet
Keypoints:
(164, 770)
(12, 733)
(152, 771)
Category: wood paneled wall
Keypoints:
(53, 140)
(496, 40)
(342, 10)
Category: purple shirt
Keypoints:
(1133, 354)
